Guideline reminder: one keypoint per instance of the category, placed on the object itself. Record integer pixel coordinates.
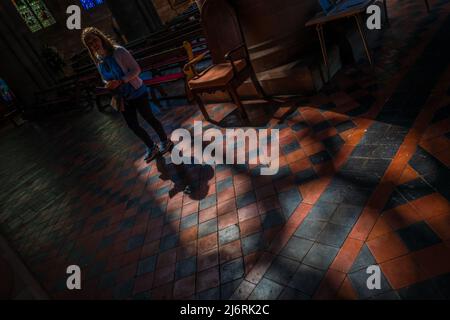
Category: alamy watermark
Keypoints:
(73, 21)
(231, 147)
(374, 280)
(73, 282)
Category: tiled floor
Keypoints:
(363, 180)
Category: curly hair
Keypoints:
(107, 42)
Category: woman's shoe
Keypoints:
(166, 146)
(187, 190)
(152, 153)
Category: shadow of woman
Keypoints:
(191, 179)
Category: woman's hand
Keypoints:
(113, 84)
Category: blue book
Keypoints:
(327, 5)
(347, 4)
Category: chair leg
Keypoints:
(201, 106)
(189, 95)
(258, 87)
(99, 104)
(234, 96)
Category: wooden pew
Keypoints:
(170, 59)
(66, 96)
(8, 112)
(81, 59)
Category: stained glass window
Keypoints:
(34, 13)
(89, 4)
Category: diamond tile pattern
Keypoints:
(75, 189)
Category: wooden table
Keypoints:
(352, 12)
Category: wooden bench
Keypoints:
(158, 58)
(156, 63)
(66, 96)
(8, 112)
(82, 59)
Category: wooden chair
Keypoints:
(231, 61)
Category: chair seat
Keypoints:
(217, 76)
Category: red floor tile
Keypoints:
(431, 205)
(208, 279)
(163, 292)
(164, 275)
(167, 258)
(330, 285)
(189, 234)
(184, 288)
(190, 209)
(248, 212)
(347, 255)
(346, 291)
(441, 225)
(207, 259)
(387, 247)
(207, 214)
(250, 226)
(402, 272)
(401, 216)
(207, 243)
(434, 260)
(226, 206)
(381, 227)
(187, 250)
(227, 220)
(143, 283)
(230, 251)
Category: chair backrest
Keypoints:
(221, 27)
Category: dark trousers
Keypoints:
(141, 105)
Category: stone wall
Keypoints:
(22, 64)
(68, 41)
(169, 9)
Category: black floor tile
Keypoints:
(415, 189)
(322, 212)
(305, 176)
(425, 290)
(424, 163)
(364, 151)
(344, 126)
(418, 236)
(442, 113)
(307, 279)
(321, 126)
(334, 235)
(293, 294)
(281, 270)
(363, 260)
(333, 144)
(320, 157)
(346, 215)
(442, 282)
(395, 200)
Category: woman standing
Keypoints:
(120, 72)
